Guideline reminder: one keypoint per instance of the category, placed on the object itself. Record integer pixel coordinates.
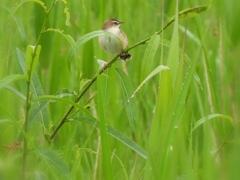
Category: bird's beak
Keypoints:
(121, 22)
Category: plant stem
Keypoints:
(64, 118)
(28, 96)
(147, 39)
(25, 143)
(107, 65)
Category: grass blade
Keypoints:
(159, 127)
(11, 78)
(149, 55)
(107, 167)
(32, 59)
(152, 74)
(36, 88)
(128, 91)
(54, 160)
(210, 117)
(117, 135)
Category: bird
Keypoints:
(115, 41)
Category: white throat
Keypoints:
(114, 30)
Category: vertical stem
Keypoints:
(25, 143)
(28, 96)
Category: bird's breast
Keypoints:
(111, 43)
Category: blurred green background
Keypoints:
(212, 39)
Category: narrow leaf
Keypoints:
(20, 29)
(32, 57)
(85, 38)
(53, 98)
(177, 112)
(66, 36)
(173, 55)
(36, 89)
(53, 159)
(73, 51)
(210, 117)
(117, 135)
(106, 157)
(2, 121)
(153, 73)
(160, 125)
(41, 3)
(127, 141)
(128, 91)
(15, 91)
(8, 79)
(149, 55)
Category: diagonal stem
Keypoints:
(109, 64)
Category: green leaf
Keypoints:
(149, 55)
(20, 29)
(160, 125)
(21, 59)
(81, 41)
(106, 152)
(127, 141)
(13, 77)
(2, 121)
(37, 90)
(13, 11)
(73, 51)
(32, 57)
(53, 98)
(210, 117)
(15, 91)
(160, 122)
(173, 55)
(85, 38)
(117, 135)
(177, 112)
(54, 160)
(167, 43)
(128, 91)
(36, 112)
(69, 38)
(153, 73)
(18, 23)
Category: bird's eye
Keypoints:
(115, 22)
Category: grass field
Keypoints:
(172, 112)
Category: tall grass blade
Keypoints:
(130, 105)
(149, 55)
(106, 158)
(159, 127)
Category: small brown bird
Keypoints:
(116, 42)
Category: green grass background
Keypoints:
(185, 118)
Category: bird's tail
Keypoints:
(125, 56)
